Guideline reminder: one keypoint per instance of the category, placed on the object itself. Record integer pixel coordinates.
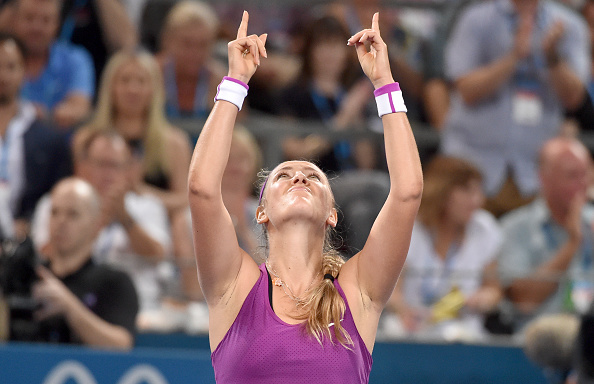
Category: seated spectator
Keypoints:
(516, 66)
(191, 74)
(35, 156)
(449, 281)
(60, 77)
(546, 258)
(328, 91)
(134, 233)
(131, 101)
(81, 302)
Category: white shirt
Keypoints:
(12, 162)
(428, 277)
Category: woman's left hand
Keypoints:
(375, 62)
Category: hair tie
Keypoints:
(329, 277)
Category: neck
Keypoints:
(234, 199)
(130, 127)
(446, 234)
(327, 85)
(7, 112)
(35, 63)
(295, 253)
(186, 79)
(558, 214)
(67, 263)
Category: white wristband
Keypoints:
(389, 99)
(232, 90)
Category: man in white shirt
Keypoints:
(135, 234)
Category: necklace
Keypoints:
(286, 289)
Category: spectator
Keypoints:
(100, 26)
(81, 302)
(134, 233)
(34, 156)
(191, 74)
(328, 91)
(546, 258)
(60, 78)
(131, 100)
(452, 256)
(550, 343)
(516, 65)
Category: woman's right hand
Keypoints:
(244, 52)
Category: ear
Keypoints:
(332, 218)
(261, 216)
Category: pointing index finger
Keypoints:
(375, 22)
(242, 31)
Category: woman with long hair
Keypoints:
(450, 282)
(305, 315)
(131, 101)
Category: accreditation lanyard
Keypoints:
(5, 158)
(430, 283)
(70, 21)
(200, 108)
(342, 148)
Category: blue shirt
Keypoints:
(531, 238)
(486, 133)
(69, 70)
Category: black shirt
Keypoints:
(108, 293)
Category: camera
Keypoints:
(18, 261)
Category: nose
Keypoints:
(299, 177)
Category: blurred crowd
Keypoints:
(90, 91)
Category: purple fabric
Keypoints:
(237, 81)
(261, 348)
(386, 89)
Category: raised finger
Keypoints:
(263, 37)
(243, 26)
(375, 22)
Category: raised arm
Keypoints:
(380, 261)
(219, 257)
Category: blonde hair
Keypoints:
(190, 12)
(442, 175)
(323, 304)
(156, 124)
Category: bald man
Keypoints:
(546, 259)
(81, 302)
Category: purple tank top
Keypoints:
(261, 348)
